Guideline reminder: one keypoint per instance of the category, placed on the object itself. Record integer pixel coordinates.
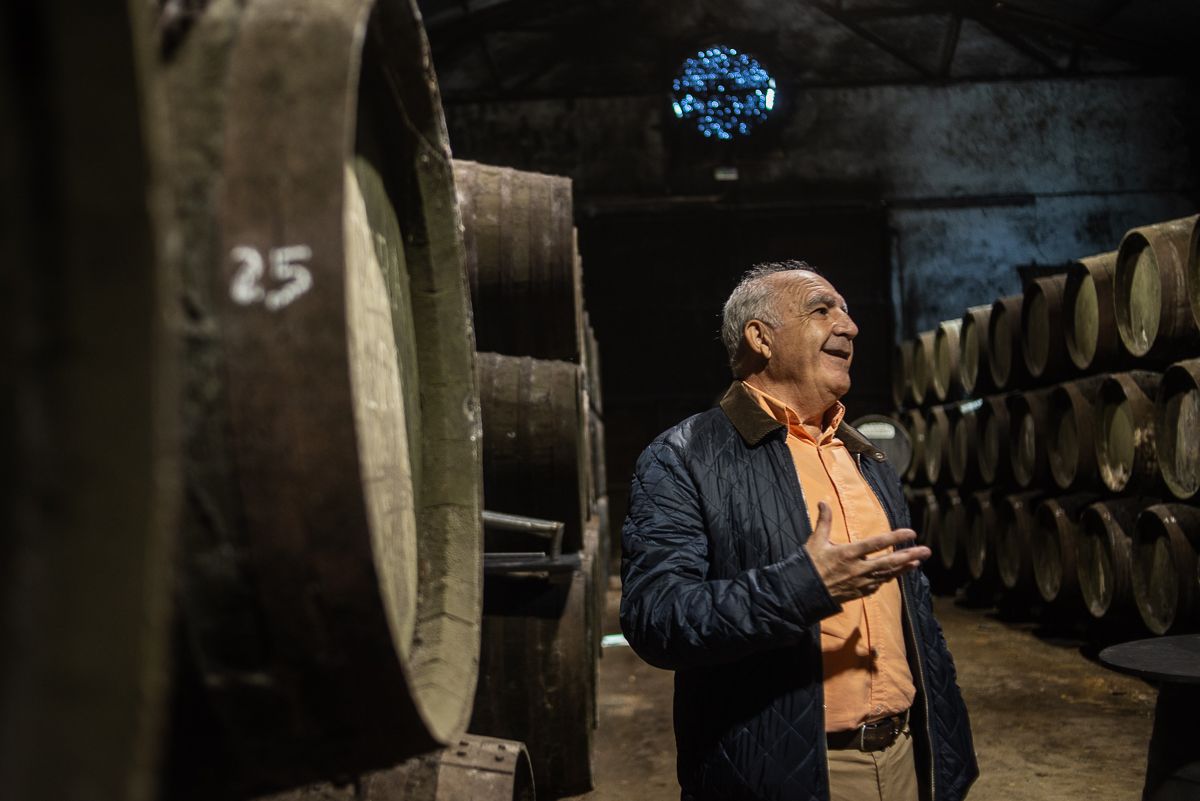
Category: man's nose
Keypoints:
(844, 326)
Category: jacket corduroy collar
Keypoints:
(754, 425)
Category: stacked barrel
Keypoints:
(1056, 438)
(542, 441)
(275, 521)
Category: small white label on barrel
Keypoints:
(878, 430)
(292, 277)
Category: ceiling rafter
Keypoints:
(858, 30)
(949, 44)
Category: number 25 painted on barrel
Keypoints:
(247, 287)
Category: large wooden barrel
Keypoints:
(902, 360)
(951, 529)
(937, 446)
(1177, 428)
(536, 459)
(331, 580)
(1005, 363)
(1103, 557)
(1029, 428)
(963, 452)
(1125, 442)
(973, 370)
(89, 503)
(1054, 545)
(1151, 294)
(992, 422)
(978, 541)
(945, 377)
(1090, 323)
(473, 767)
(1014, 534)
(526, 282)
(921, 389)
(1043, 336)
(537, 673)
(913, 421)
(1072, 434)
(1164, 573)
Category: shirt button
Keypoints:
(874, 652)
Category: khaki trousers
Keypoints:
(887, 775)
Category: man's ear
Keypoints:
(757, 337)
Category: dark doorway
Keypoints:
(655, 283)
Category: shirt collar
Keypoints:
(788, 416)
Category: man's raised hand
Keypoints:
(848, 570)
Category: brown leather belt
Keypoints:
(874, 736)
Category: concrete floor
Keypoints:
(1049, 723)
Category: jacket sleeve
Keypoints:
(672, 614)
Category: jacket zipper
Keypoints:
(912, 627)
(819, 661)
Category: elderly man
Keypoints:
(767, 560)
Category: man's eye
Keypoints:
(823, 310)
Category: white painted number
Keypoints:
(286, 268)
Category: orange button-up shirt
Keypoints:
(862, 647)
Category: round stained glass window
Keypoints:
(723, 92)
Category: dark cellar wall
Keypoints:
(917, 200)
(977, 177)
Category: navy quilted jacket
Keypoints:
(717, 587)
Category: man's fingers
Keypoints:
(824, 521)
(894, 564)
(880, 542)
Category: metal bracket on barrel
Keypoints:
(544, 562)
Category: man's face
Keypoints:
(814, 342)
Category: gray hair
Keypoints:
(753, 299)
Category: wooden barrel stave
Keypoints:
(592, 365)
(992, 422)
(950, 531)
(1125, 441)
(1165, 543)
(1029, 425)
(1054, 546)
(978, 545)
(1005, 364)
(937, 445)
(922, 368)
(537, 674)
(1151, 295)
(974, 373)
(88, 315)
(536, 458)
(925, 513)
(1177, 428)
(914, 422)
(329, 637)
(1072, 434)
(963, 452)
(1014, 533)
(1093, 342)
(902, 365)
(1103, 556)
(525, 277)
(945, 378)
(1043, 335)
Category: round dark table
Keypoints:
(1173, 663)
